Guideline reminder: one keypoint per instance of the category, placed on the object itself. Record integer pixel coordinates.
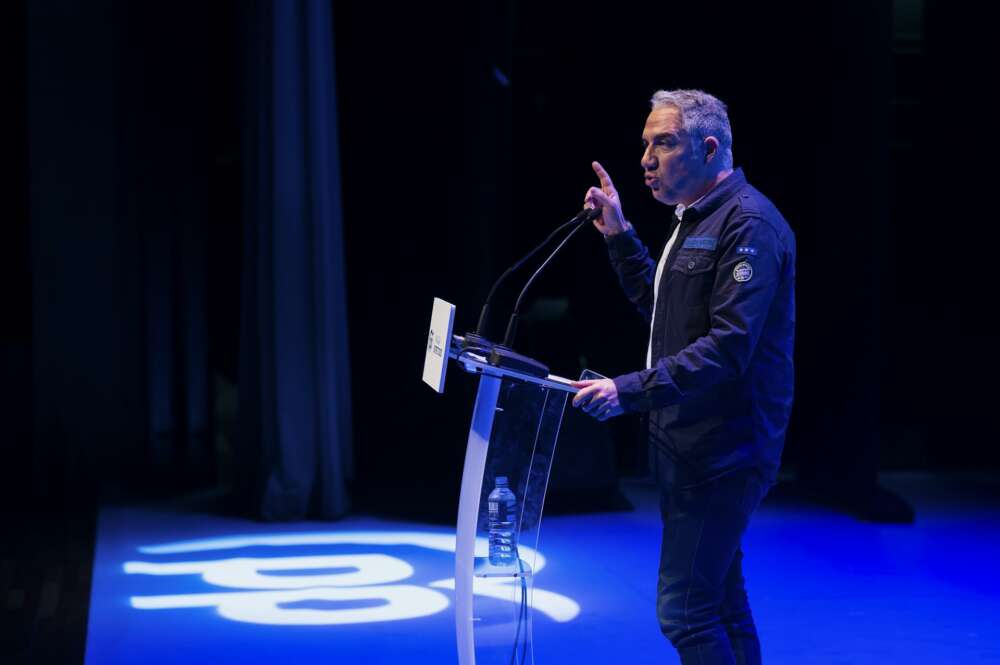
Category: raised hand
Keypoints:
(611, 221)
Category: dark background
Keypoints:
(467, 131)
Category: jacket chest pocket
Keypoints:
(692, 275)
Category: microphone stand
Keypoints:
(503, 355)
(475, 341)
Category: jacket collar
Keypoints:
(717, 196)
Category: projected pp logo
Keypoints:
(323, 590)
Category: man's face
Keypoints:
(673, 163)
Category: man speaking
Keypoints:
(718, 380)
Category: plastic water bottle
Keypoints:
(503, 524)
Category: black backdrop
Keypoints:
(466, 134)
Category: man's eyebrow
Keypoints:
(662, 135)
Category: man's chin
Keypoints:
(663, 197)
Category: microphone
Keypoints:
(475, 340)
(503, 355)
(588, 214)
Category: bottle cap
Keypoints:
(501, 480)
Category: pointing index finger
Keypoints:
(606, 183)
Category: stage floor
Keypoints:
(174, 585)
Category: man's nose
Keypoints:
(647, 161)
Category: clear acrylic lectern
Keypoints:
(515, 424)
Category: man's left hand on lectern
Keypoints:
(598, 397)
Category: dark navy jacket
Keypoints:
(719, 391)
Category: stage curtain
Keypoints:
(294, 452)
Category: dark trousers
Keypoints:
(701, 600)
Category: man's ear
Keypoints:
(711, 148)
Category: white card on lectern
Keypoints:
(438, 342)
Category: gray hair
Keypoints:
(702, 115)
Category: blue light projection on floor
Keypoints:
(324, 590)
(175, 586)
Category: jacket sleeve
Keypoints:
(750, 265)
(635, 268)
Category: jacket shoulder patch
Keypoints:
(743, 271)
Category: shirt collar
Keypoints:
(714, 198)
(679, 210)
